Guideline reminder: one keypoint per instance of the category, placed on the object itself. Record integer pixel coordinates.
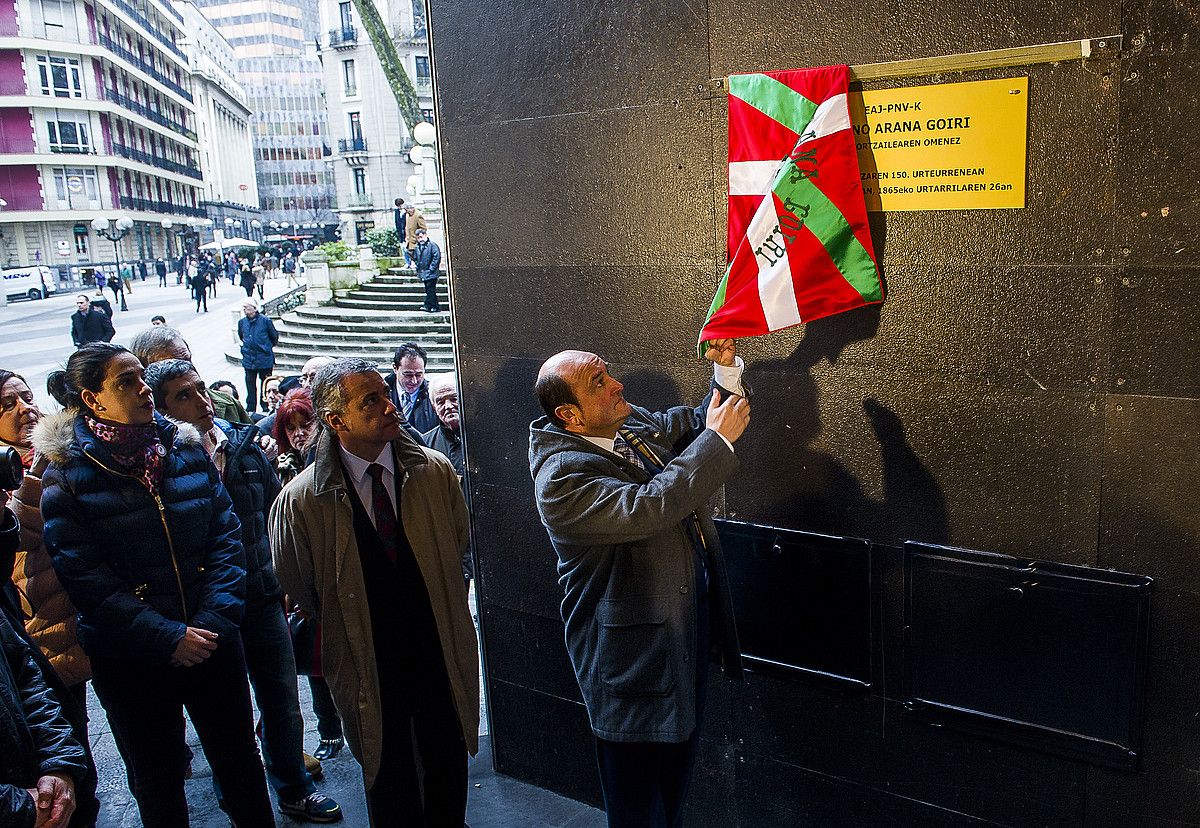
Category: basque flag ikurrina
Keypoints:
(799, 244)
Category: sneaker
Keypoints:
(313, 765)
(316, 807)
(329, 748)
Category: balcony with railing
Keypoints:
(352, 145)
(359, 201)
(423, 85)
(71, 149)
(146, 112)
(344, 37)
(130, 10)
(120, 51)
(151, 205)
(134, 154)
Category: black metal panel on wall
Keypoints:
(1028, 388)
(1044, 654)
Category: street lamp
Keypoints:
(120, 230)
(256, 226)
(167, 224)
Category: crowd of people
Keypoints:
(176, 549)
(167, 545)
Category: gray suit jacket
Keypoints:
(628, 568)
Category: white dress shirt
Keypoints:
(728, 377)
(216, 444)
(361, 479)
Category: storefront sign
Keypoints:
(954, 146)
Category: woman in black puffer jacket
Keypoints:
(142, 535)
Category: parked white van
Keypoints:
(34, 282)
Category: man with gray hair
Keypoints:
(368, 540)
(160, 342)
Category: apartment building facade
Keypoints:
(274, 42)
(97, 119)
(369, 156)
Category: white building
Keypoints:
(369, 158)
(223, 117)
(96, 120)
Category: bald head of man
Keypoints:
(579, 395)
(309, 372)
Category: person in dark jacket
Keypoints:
(179, 393)
(408, 388)
(248, 277)
(623, 493)
(446, 437)
(427, 259)
(34, 600)
(89, 324)
(142, 534)
(197, 280)
(40, 760)
(259, 338)
(160, 269)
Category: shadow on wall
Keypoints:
(793, 484)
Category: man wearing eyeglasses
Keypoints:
(409, 389)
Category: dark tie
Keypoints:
(385, 515)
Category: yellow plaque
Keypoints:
(953, 146)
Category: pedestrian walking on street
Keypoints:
(427, 259)
(259, 338)
(142, 534)
(98, 277)
(90, 324)
(116, 284)
(289, 269)
(248, 277)
(160, 268)
(197, 282)
(142, 271)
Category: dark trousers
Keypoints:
(272, 666)
(144, 704)
(435, 797)
(329, 723)
(431, 297)
(254, 380)
(201, 296)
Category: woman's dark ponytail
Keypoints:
(85, 371)
(57, 387)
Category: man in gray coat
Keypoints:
(623, 493)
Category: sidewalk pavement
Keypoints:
(493, 801)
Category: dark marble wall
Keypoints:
(1029, 387)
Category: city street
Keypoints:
(35, 336)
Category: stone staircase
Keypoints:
(369, 321)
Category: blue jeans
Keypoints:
(272, 668)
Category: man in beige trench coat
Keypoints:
(368, 539)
